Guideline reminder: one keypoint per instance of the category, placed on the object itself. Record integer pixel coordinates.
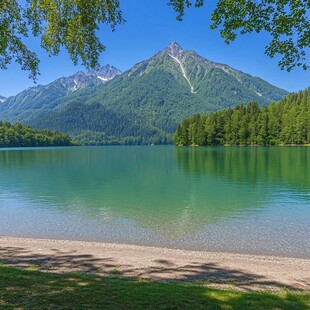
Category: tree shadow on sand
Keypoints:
(159, 270)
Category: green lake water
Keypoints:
(247, 200)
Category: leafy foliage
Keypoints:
(180, 5)
(287, 22)
(13, 26)
(18, 135)
(73, 24)
(284, 122)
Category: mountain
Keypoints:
(105, 73)
(40, 99)
(2, 99)
(146, 103)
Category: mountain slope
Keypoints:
(2, 99)
(37, 100)
(220, 84)
(151, 98)
(161, 91)
(94, 124)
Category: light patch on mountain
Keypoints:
(2, 99)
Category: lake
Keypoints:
(246, 200)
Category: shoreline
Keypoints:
(157, 246)
(220, 269)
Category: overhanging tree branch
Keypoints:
(73, 24)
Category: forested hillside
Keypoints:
(282, 123)
(144, 105)
(94, 124)
(18, 135)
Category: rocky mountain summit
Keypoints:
(39, 99)
(143, 105)
(105, 73)
(2, 99)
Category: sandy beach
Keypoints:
(217, 269)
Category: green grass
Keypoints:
(30, 289)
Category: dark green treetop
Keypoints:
(282, 123)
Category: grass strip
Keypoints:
(31, 289)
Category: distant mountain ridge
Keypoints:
(145, 103)
(105, 73)
(42, 98)
(2, 99)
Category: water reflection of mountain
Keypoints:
(282, 166)
(146, 184)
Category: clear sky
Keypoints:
(150, 26)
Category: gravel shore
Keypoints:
(218, 269)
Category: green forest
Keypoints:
(95, 124)
(286, 122)
(18, 135)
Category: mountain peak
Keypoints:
(2, 99)
(174, 49)
(105, 73)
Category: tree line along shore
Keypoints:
(286, 122)
(18, 135)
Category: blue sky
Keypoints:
(150, 26)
